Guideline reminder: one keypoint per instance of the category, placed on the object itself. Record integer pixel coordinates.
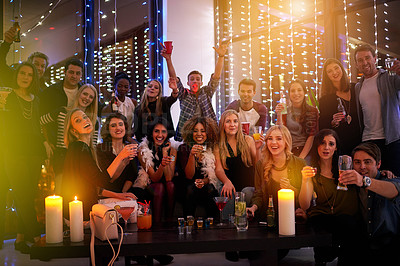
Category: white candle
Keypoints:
(286, 212)
(54, 219)
(76, 220)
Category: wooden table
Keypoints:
(165, 240)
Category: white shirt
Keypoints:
(249, 116)
(71, 95)
(370, 101)
(127, 108)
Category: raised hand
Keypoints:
(221, 49)
(10, 35)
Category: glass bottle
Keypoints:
(18, 30)
(114, 105)
(270, 212)
(340, 107)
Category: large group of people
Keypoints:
(141, 155)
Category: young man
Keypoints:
(197, 99)
(249, 110)
(380, 202)
(378, 106)
(40, 60)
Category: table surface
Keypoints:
(164, 239)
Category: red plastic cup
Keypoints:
(246, 127)
(168, 46)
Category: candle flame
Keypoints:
(76, 198)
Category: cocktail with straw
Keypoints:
(144, 219)
(221, 202)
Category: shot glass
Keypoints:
(190, 220)
(207, 223)
(200, 222)
(211, 219)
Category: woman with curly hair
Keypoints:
(154, 105)
(196, 162)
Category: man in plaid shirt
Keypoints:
(196, 101)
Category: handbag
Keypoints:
(104, 220)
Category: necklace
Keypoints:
(327, 200)
(280, 168)
(27, 108)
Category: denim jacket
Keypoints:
(388, 88)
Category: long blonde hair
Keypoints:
(91, 110)
(70, 136)
(266, 153)
(144, 103)
(240, 138)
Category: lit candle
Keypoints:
(54, 219)
(76, 220)
(286, 212)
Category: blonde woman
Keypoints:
(154, 105)
(82, 176)
(86, 99)
(278, 169)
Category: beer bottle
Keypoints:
(114, 105)
(270, 212)
(340, 107)
(18, 28)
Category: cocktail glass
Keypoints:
(345, 163)
(125, 213)
(221, 202)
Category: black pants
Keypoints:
(347, 239)
(390, 155)
(201, 196)
(23, 173)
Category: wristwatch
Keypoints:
(366, 181)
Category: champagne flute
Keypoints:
(221, 202)
(345, 163)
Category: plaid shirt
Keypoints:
(189, 103)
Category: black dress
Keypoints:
(349, 134)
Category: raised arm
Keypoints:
(121, 161)
(170, 66)
(221, 51)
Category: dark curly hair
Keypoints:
(210, 126)
(105, 129)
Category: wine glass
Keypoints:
(345, 163)
(221, 202)
(125, 213)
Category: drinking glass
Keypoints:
(4, 91)
(257, 132)
(345, 163)
(221, 202)
(125, 213)
(240, 212)
(388, 64)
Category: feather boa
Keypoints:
(143, 180)
(208, 169)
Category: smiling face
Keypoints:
(195, 80)
(116, 128)
(276, 143)
(122, 87)
(73, 76)
(365, 164)
(246, 93)
(86, 98)
(199, 133)
(296, 94)
(366, 63)
(334, 72)
(327, 148)
(24, 77)
(160, 134)
(81, 123)
(231, 125)
(153, 89)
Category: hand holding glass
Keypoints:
(345, 163)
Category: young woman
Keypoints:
(23, 156)
(336, 88)
(157, 160)
(335, 211)
(301, 119)
(235, 155)
(154, 105)
(196, 162)
(116, 156)
(82, 177)
(125, 105)
(87, 100)
(278, 169)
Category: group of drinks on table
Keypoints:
(137, 159)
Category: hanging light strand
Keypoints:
(231, 89)
(347, 39)
(270, 62)
(291, 38)
(375, 29)
(316, 46)
(115, 37)
(249, 20)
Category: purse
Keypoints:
(102, 217)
